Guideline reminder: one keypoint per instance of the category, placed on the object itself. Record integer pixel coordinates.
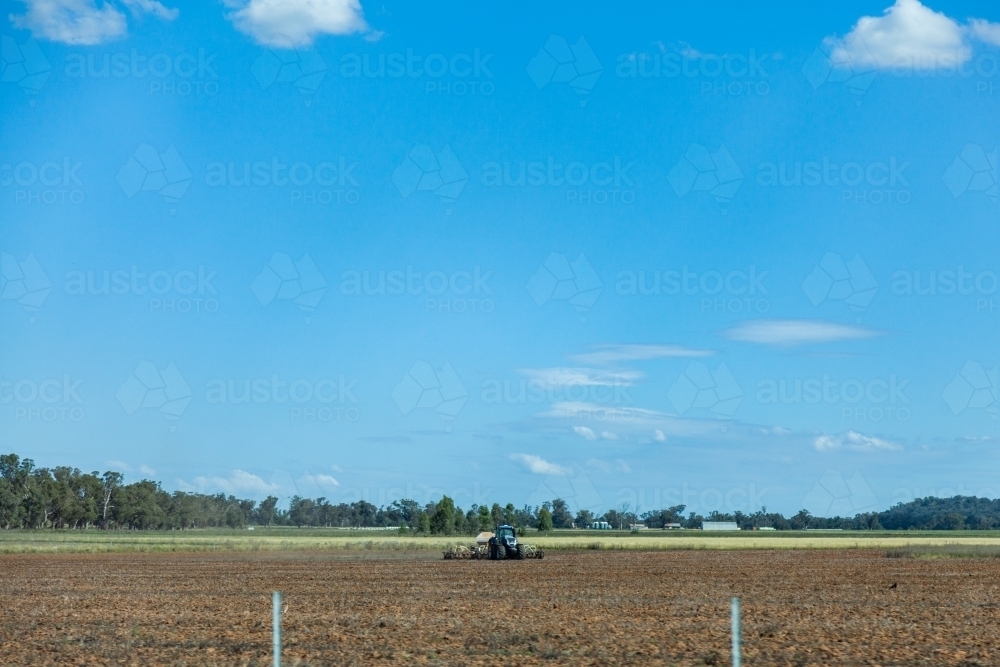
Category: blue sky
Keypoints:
(651, 255)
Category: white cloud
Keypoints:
(118, 466)
(238, 482)
(640, 421)
(152, 7)
(611, 353)
(319, 480)
(538, 465)
(854, 441)
(292, 23)
(588, 434)
(909, 35)
(83, 22)
(985, 31)
(796, 332)
(658, 436)
(552, 378)
(146, 470)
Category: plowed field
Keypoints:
(581, 608)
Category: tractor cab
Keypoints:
(506, 535)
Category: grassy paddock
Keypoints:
(903, 544)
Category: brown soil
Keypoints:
(585, 608)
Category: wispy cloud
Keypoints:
(796, 332)
(909, 35)
(634, 422)
(538, 465)
(854, 441)
(615, 353)
(554, 378)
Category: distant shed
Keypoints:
(719, 525)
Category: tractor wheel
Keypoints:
(541, 555)
(521, 552)
(501, 552)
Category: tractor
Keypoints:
(504, 545)
(500, 545)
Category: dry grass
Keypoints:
(289, 539)
(950, 550)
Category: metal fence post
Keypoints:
(276, 634)
(736, 632)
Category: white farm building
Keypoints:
(719, 525)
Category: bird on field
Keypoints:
(894, 584)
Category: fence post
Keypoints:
(276, 621)
(736, 632)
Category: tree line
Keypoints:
(64, 497)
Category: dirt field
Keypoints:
(572, 608)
